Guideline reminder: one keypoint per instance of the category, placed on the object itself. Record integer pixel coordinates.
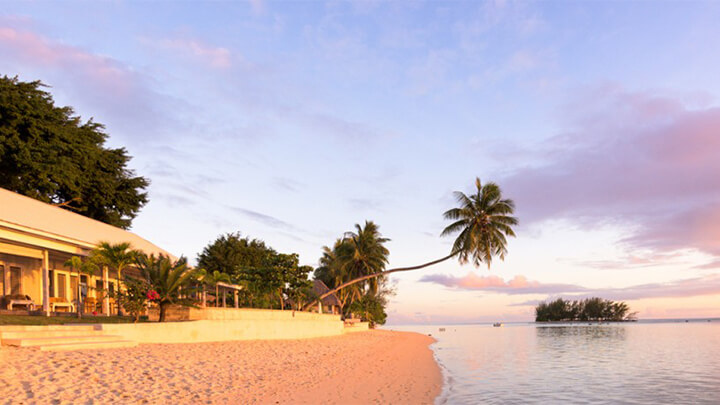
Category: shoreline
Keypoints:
(377, 366)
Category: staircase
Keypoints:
(61, 337)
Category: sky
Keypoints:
(292, 121)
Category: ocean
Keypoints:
(645, 362)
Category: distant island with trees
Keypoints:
(588, 310)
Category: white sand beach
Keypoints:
(369, 367)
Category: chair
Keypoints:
(90, 304)
(18, 299)
(61, 302)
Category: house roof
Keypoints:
(29, 215)
(320, 288)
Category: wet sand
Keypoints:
(375, 367)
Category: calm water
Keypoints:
(628, 363)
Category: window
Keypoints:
(61, 286)
(15, 280)
(73, 287)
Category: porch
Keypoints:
(36, 281)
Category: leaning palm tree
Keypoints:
(482, 222)
(80, 266)
(166, 278)
(116, 256)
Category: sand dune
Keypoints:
(375, 367)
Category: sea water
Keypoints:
(669, 362)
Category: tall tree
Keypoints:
(48, 153)
(482, 221)
(359, 253)
(230, 253)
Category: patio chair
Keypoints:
(9, 301)
(61, 302)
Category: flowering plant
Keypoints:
(153, 295)
(94, 313)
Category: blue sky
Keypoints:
(292, 121)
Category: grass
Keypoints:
(60, 320)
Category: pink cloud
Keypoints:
(108, 89)
(708, 285)
(217, 57)
(31, 48)
(639, 159)
(517, 285)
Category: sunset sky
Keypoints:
(292, 121)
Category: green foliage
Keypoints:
(166, 278)
(48, 153)
(134, 297)
(589, 309)
(483, 221)
(268, 277)
(231, 254)
(357, 254)
(371, 308)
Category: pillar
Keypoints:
(106, 287)
(237, 304)
(46, 282)
(224, 298)
(204, 297)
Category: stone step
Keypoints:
(22, 328)
(42, 341)
(111, 344)
(48, 333)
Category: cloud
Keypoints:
(364, 204)
(217, 57)
(100, 83)
(631, 261)
(639, 159)
(708, 285)
(514, 286)
(263, 218)
(711, 265)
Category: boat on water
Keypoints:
(497, 324)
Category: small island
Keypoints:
(588, 310)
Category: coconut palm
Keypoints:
(116, 256)
(80, 266)
(166, 278)
(482, 222)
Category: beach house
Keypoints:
(35, 241)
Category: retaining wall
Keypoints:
(226, 324)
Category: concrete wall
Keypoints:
(177, 313)
(226, 330)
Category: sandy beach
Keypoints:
(375, 367)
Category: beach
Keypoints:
(360, 368)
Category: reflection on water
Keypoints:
(628, 363)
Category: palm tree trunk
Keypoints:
(382, 273)
(163, 311)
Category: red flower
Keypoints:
(94, 313)
(153, 295)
